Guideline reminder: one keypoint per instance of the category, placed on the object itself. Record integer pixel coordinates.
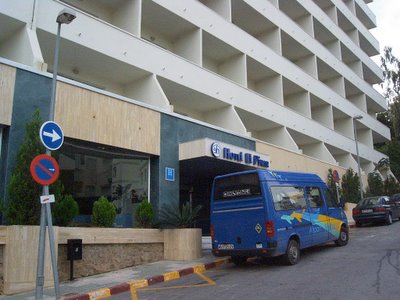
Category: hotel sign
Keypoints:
(236, 154)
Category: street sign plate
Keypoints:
(51, 135)
(47, 199)
(44, 169)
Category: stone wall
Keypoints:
(101, 258)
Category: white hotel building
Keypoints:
(152, 83)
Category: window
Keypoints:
(330, 199)
(89, 172)
(288, 197)
(314, 197)
(237, 187)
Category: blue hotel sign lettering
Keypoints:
(238, 156)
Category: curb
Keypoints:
(132, 286)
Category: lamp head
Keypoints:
(66, 16)
(358, 117)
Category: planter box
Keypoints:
(182, 244)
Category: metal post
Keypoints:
(41, 252)
(358, 155)
(45, 211)
(52, 251)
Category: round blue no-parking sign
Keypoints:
(51, 135)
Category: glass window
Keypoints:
(89, 173)
(288, 197)
(330, 199)
(237, 187)
(314, 197)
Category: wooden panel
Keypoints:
(20, 259)
(90, 116)
(3, 235)
(7, 83)
(182, 244)
(110, 235)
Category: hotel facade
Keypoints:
(157, 97)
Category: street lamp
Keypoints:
(358, 117)
(65, 16)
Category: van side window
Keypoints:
(288, 197)
(314, 197)
(330, 199)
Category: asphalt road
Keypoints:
(367, 268)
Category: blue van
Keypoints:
(266, 213)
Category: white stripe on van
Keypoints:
(238, 209)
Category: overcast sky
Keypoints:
(387, 14)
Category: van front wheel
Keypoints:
(343, 237)
(292, 255)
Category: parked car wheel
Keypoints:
(343, 237)
(389, 220)
(292, 255)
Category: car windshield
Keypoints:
(370, 201)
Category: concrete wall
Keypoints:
(104, 250)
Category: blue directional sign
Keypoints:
(51, 135)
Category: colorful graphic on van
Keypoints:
(329, 224)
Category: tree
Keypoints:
(391, 74)
(351, 186)
(375, 184)
(332, 185)
(23, 193)
(23, 205)
(391, 186)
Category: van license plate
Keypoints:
(365, 211)
(226, 246)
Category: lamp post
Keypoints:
(65, 16)
(358, 117)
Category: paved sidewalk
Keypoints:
(107, 280)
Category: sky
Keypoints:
(387, 14)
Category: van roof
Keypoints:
(282, 176)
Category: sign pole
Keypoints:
(52, 249)
(41, 252)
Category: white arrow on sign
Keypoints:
(54, 135)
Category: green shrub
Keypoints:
(351, 186)
(104, 212)
(64, 210)
(172, 216)
(144, 214)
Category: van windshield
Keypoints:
(237, 187)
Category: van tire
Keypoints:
(239, 260)
(292, 254)
(343, 237)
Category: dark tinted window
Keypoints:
(330, 199)
(314, 197)
(237, 187)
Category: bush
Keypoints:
(65, 210)
(104, 213)
(351, 186)
(375, 184)
(144, 214)
(172, 216)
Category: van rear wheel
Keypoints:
(292, 255)
(239, 260)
